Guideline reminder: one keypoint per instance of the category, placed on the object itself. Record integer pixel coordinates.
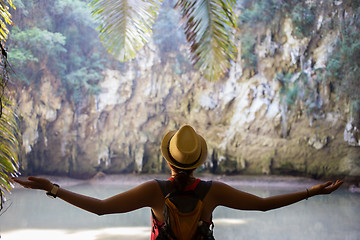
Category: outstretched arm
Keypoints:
(225, 195)
(143, 195)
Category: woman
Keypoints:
(184, 150)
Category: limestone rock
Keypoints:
(352, 133)
(318, 143)
(242, 118)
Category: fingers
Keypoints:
(325, 188)
(31, 182)
(21, 182)
(324, 185)
(333, 186)
(337, 184)
(35, 179)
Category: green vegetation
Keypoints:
(9, 144)
(6, 20)
(169, 38)
(296, 88)
(303, 19)
(254, 17)
(166, 34)
(259, 12)
(300, 87)
(9, 122)
(343, 67)
(289, 89)
(28, 46)
(61, 37)
(125, 26)
(248, 43)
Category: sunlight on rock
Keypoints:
(96, 234)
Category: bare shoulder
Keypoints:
(147, 193)
(152, 190)
(222, 194)
(217, 193)
(149, 188)
(149, 184)
(220, 187)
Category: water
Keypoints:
(32, 215)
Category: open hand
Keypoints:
(325, 188)
(35, 183)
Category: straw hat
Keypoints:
(184, 149)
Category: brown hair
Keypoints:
(181, 178)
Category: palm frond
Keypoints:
(209, 26)
(125, 25)
(5, 18)
(9, 127)
(10, 138)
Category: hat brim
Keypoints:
(166, 154)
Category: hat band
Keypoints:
(179, 164)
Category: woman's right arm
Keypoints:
(144, 195)
(224, 195)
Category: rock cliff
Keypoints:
(248, 128)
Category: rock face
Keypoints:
(242, 118)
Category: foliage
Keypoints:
(303, 18)
(9, 125)
(5, 19)
(166, 34)
(288, 89)
(259, 12)
(29, 45)
(343, 68)
(209, 30)
(169, 39)
(248, 43)
(254, 15)
(40, 42)
(125, 26)
(9, 148)
(64, 40)
(296, 88)
(289, 93)
(300, 86)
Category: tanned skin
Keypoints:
(149, 194)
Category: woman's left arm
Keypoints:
(282, 200)
(223, 195)
(141, 196)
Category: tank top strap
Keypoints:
(192, 186)
(200, 187)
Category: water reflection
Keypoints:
(229, 221)
(97, 234)
(32, 215)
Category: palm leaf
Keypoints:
(9, 127)
(125, 25)
(209, 26)
(6, 16)
(10, 138)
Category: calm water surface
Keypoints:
(32, 215)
